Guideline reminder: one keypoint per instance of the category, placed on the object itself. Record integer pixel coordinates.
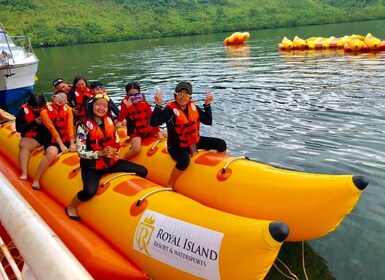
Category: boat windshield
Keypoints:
(5, 39)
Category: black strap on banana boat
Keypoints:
(151, 193)
(231, 161)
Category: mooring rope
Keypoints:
(293, 276)
(303, 260)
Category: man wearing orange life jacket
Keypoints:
(183, 118)
(137, 113)
(32, 130)
(98, 146)
(61, 84)
(58, 118)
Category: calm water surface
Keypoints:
(320, 112)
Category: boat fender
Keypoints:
(360, 181)
(279, 231)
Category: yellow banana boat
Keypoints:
(300, 43)
(286, 45)
(372, 42)
(355, 43)
(163, 233)
(311, 204)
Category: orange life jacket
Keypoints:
(79, 100)
(99, 138)
(60, 120)
(138, 114)
(187, 127)
(30, 117)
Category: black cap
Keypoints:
(58, 81)
(96, 84)
(184, 85)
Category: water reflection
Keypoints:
(238, 51)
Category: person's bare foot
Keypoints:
(23, 177)
(35, 185)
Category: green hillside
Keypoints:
(54, 22)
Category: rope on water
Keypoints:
(293, 276)
(303, 260)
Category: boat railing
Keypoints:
(23, 41)
(8, 45)
(11, 261)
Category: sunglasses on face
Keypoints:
(61, 98)
(100, 95)
(180, 94)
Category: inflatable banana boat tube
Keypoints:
(348, 43)
(237, 38)
(163, 233)
(311, 204)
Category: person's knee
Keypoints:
(142, 172)
(86, 195)
(222, 146)
(183, 164)
(51, 155)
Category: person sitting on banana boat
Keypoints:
(183, 118)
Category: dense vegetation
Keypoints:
(62, 22)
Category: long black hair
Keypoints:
(37, 101)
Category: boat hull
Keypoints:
(19, 75)
(11, 100)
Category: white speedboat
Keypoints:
(18, 67)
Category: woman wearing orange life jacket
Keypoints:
(98, 146)
(76, 96)
(97, 87)
(58, 118)
(183, 118)
(137, 113)
(32, 130)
